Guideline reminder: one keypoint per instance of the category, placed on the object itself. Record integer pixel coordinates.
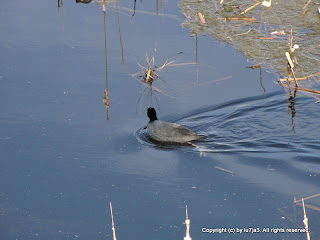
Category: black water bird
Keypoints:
(169, 132)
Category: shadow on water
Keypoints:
(254, 124)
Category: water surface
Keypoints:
(62, 162)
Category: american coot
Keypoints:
(168, 132)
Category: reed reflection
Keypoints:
(157, 7)
(105, 99)
(291, 108)
(84, 1)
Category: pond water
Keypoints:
(62, 161)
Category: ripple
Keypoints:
(261, 123)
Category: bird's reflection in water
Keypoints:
(83, 1)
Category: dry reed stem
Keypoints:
(149, 73)
(187, 222)
(314, 74)
(186, 16)
(148, 76)
(249, 8)
(255, 66)
(201, 18)
(301, 89)
(266, 38)
(289, 60)
(308, 90)
(294, 76)
(292, 80)
(244, 19)
(227, 3)
(290, 39)
(305, 220)
(243, 5)
(182, 64)
(142, 67)
(299, 79)
(164, 65)
(245, 33)
(316, 195)
(113, 228)
(305, 6)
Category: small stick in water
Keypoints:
(113, 228)
(201, 18)
(305, 220)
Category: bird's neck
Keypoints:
(153, 119)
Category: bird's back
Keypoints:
(170, 132)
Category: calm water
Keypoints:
(62, 162)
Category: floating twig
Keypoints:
(249, 8)
(254, 66)
(187, 16)
(227, 3)
(222, 169)
(305, 6)
(164, 65)
(182, 64)
(266, 38)
(201, 18)
(245, 33)
(245, 19)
